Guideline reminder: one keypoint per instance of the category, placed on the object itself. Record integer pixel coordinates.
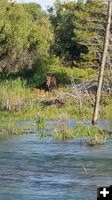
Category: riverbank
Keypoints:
(18, 102)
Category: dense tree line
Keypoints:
(25, 35)
(70, 34)
(79, 32)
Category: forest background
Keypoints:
(66, 41)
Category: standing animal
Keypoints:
(50, 82)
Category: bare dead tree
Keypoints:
(103, 62)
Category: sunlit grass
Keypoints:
(18, 102)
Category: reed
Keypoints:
(63, 132)
(92, 134)
(40, 122)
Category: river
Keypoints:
(33, 168)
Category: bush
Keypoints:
(52, 65)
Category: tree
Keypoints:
(89, 29)
(79, 29)
(62, 20)
(25, 34)
(101, 72)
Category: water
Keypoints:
(44, 169)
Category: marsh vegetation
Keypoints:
(49, 66)
(34, 43)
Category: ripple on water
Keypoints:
(33, 168)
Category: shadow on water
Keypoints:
(44, 169)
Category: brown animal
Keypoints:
(50, 82)
(35, 90)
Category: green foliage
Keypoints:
(26, 34)
(64, 135)
(14, 95)
(35, 43)
(8, 126)
(17, 102)
(40, 121)
(79, 30)
(87, 131)
(66, 75)
(63, 28)
(89, 29)
(63, 132)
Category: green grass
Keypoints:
(92, 134)
(10, 127)
(17, 102)
(40, 121)
(63, 132)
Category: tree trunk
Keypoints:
(101, 72)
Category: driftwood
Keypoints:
(77, 93)
(57, 102)
(92, 86)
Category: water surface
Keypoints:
(44, 169)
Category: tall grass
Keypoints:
(63, 131)
(10, 127)
(14, 95)
(18, 102)
(92, 134)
